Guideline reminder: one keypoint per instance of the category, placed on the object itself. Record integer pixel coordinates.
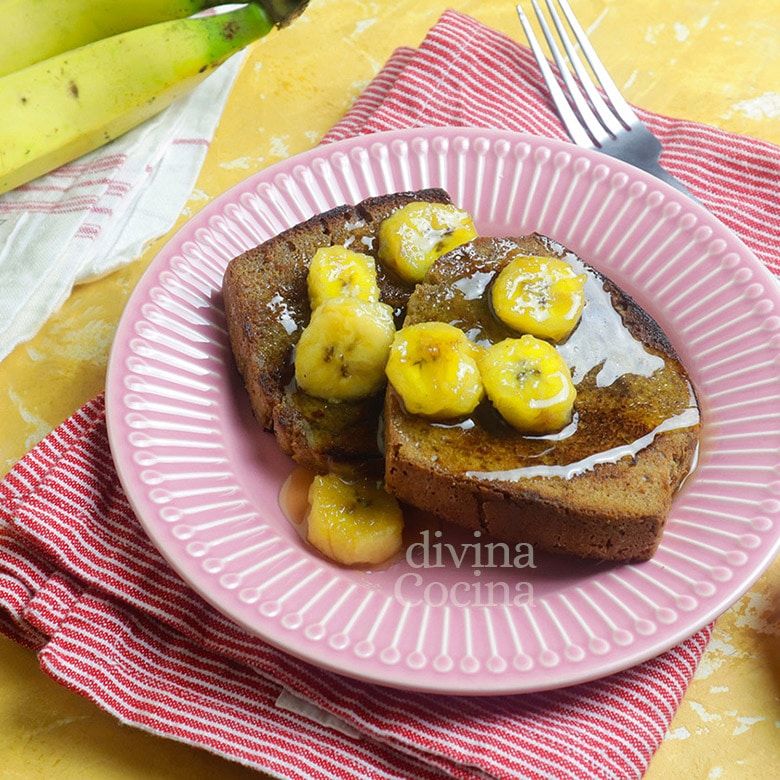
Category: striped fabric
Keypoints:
(82, 585)
(466, 74)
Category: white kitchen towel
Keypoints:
(96, 214)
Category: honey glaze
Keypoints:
(293, 498)
(628, 392)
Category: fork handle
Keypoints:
(656, 170)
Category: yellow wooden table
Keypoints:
(715, 61)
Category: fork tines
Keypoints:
(590, 119)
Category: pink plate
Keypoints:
(205, 481)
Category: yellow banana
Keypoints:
(414, 236)
(34, 30)
(433, 367)
(529, 383)
(542, 296)
(65, 106)
(353, 521)
(342, 352)
(336, 270)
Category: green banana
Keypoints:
(34, 30)
(63, 107)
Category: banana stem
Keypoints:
(233, 31)
(283, 11)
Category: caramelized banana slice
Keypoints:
(433, 367)
(529, 383)
(542, 296)
(413, 237)
(342, 352)
(353, 521)
(337, 270)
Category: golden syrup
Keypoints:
(627, 392)
(294, 498)
(294, 503)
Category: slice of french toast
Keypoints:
(267, 307)
(600, 488)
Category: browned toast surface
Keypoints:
(267, 307)
(600, 489)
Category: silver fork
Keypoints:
(608, 125)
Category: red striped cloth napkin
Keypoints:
(82, 585)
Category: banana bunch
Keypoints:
(353, 521)
(34, 30)
(74, 74)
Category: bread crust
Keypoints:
(477, 474)
(267, 307)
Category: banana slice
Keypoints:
(353, 522)
(414, 236)
(342, 352)
(542, 296)
(337, 270)
(529, 383)
(433, 367)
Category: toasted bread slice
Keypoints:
(267, 307)
(603, 487)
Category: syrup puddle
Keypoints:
(294, 503)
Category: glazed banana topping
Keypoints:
(350, 347)
(440, 373)
(336, 270)
(529, 383)
(342, 352)
(412, 238)
(353, 521)
(599, 338)
(433, 367)
(502, 339)
(542, 296)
